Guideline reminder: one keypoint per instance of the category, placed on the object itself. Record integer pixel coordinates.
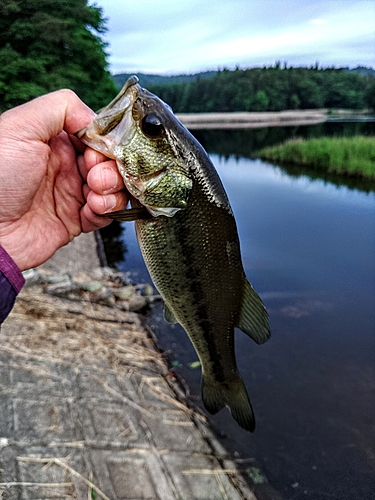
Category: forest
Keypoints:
(272, 88)
(46, 45)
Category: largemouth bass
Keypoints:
(188, 237)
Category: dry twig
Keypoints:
(57, 461)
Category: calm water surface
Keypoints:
(308, 248)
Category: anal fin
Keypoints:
(253, 318)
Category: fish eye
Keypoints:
(152, 125)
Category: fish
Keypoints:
(188, 237)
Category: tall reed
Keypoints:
(354, 156)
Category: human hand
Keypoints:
(43, 177)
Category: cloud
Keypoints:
(318, 22)
(174, 37)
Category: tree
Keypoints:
(261, 101)
(270, 89)
(310, 93)
(46, 45)
(370, 95)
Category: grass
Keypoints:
(352, 156)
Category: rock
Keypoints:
(137, 303)
(57, 278)
(124, 293)
(101, 272)
(83, 277)
(62, 288)
(92, 286)
(110, 275)
(154, 298)
(147, 290)
(101, 285)
(123, 305)
(103, 295)
(31, 276)
(108, 301)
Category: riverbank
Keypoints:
(351, 156)
(89, 407)
(252, 119)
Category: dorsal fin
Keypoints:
(253, 318)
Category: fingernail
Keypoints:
(109, 178)
(110, 202)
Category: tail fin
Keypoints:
(216, 395)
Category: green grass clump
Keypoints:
(353, 156)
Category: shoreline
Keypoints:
(92, 386)
(244, 119)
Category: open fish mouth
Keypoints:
(112, 122)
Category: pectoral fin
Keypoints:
(253, 318)
(169, 316)
(128, 215)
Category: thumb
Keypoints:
(48, 115)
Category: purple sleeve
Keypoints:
(11, 282)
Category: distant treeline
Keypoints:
(269, 89)
(148, 80)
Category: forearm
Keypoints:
(11, 282)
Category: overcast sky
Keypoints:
(188, 36)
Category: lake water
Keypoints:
(308, 247)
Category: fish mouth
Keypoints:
(113, 121)
(118, 101)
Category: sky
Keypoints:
(188, 36)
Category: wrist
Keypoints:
(10, 270)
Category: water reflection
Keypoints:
(244, 143)
(300, 225)
(114, 243)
